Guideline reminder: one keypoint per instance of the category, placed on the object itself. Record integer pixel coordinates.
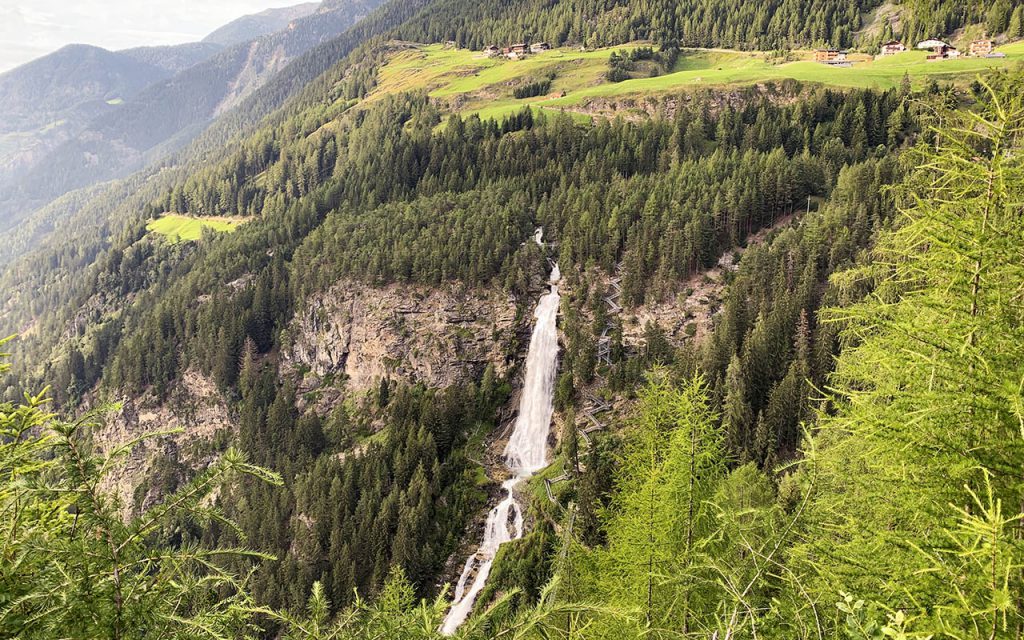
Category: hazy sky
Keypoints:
(31, 28)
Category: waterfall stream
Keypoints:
(525, 454)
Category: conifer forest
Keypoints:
(558, 319)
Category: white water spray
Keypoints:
(525, 454)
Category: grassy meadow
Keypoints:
(179, 228)
(471, 83)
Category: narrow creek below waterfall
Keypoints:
(525, 454)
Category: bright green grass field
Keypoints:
(744, 68)
(448, 72)
(179, 228)
(484, 85)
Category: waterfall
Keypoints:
(525, 454)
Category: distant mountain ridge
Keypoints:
(110, 142)
(270, 53)
(175, 57)
(51, 99)
(70, 80)
(259, 24)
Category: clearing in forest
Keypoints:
(180, 228)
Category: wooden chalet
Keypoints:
(982, 48)
(826, 55)
(892, 47)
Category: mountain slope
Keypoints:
(259, 24)
(177, 107)
(173, 112)
(173, 58)
(268, 55)
(360, 327)
(72, 82)
(49, 100)
(328, 94)
(379, 194)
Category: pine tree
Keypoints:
(927, 404)
(570, 442)
(1015, 29)
(383, 393)
(71, 566)
(736, 415)
(998, 17)
(672, 460)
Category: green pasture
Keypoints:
(475, 84)
(179, 228)
(448, 72)
(747, 68)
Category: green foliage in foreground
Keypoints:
(904, 517)
(72, 567)
(917, 496)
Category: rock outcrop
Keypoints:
(196, 407)
(438, 336)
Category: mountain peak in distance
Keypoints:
(256, 25)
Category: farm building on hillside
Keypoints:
(537, 47)
(981, 48)
(948, 52)
(833, 57)
(892, 47)
(516, 51)
(940, 50)
(492, 51)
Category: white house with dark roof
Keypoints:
(892, 47)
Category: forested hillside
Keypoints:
(695, 23)
(568, 170)
(695, 535)
(904, 505)
(47, 101)
(55, 86)
(927, 17)
(788, 393)
(778, 24)
(171, 111)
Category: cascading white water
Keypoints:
(525, 454)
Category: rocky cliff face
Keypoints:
(437, 336)
(196, 407)
(340, 345)
(638, 108)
